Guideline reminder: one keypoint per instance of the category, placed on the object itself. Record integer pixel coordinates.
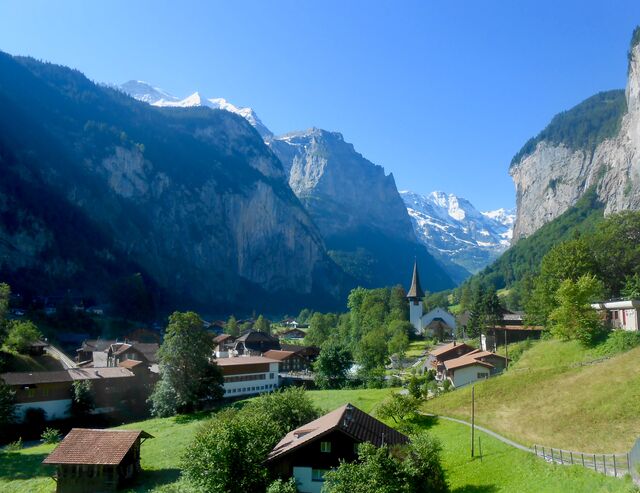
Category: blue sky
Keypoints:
(441, 93)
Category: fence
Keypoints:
(616, 465)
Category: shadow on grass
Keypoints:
(150, 479)
(189, 418)
(14, 465)
(423, 422)
(476, 488)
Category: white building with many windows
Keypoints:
(246, 375)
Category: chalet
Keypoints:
(96, 460)
(51, 391)
(289, 361)
(101, 353)
(292, 334)
(620, 314)
(449, 351)
(316, 447)
(472, 366)
(246, 375)
(310, 353)
(255, 343)
(511, 328)
(223, 345)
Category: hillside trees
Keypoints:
(231, 327)
(188, 379)
(332, 365)
(20, 335)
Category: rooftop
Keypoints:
(244, 360)
(278, 355)
(466, 360)
(36, 377)
(449, 347)
(350, 420)
(88, 446)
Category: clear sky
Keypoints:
(441, 93)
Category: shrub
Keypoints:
(14, 446)
(280, 486)
(50, 435)
(618, 342)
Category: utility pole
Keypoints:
(473, 418)
(506, 349)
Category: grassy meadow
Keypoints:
(501, 469)
(558, 394)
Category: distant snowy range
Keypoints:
(463, 239)
(454, 231)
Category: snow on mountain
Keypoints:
(454, 230)
(155, 96)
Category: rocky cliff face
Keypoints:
(357, 208)
(191, 197)
(556, 174)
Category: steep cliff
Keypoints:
(98, 185)
(357, 208)
(597, 143)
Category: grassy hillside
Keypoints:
(502, 468)
(561, 395)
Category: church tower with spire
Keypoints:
(415, 297)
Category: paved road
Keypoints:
(488, 432)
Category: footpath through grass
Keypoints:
(558, 394)
(502, 469)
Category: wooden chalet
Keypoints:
(288, 360)
(308, 452)
(90, 461)
(255, 343)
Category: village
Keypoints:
(118, 376)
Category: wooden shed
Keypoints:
(96, 460)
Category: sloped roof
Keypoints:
(278, 355)
(36, 377)
(222, 338)
(449, 347)
(148, 349)
(463, 361)
(129, 363)
(87, 446)
(350, 420)
(255, 336)
(415, 291)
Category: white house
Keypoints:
(246, 375)
(620, 314)
(466, 369)
(437, 322)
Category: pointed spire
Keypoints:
(415, 291)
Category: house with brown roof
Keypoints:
(308, 452)
(471, 367)
(247, 375)
(289, 360)
(255, 343)
(223, 345)
(51, 391)
(294, 333)
(96, 460)
(449, 351)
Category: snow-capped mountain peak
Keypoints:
(453, 229)
(155, 96)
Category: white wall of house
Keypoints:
(55, 409)
(256, 385)
(468, 374)
(305, 482)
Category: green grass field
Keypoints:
(502, 468)
(416, 348)
(558, 394)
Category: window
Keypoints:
(483, 375)
(325, 447)
(318, 474)
(271, 376)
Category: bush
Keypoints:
(14, 446)
(618, 341)
(280, 486)
(50, 435)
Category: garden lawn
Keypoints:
(502, 469)
(416, 348)
(559, 395)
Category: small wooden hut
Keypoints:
(96, 460)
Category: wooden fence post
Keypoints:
(629, 464)
(582, 458)
(604, 464)
(571, 455)
(615, 469)
(595, 467)
(561, 461)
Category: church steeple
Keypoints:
(415, 291)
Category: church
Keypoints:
(436, 323)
